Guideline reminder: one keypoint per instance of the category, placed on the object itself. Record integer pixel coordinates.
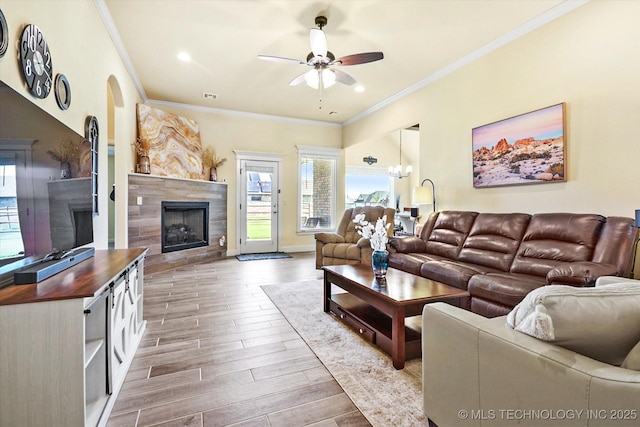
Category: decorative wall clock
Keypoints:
(4, 34)
(36, 61)
(62, 90)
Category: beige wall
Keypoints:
(82, 50)
(589, 59)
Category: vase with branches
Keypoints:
(211, 161)
(143, 147)
(378, 238)
(67, 152)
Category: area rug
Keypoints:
(386, 396)
(268, 255)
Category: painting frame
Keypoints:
(526, 149)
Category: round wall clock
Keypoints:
(62, 91)
(4, 34)
(36, 62)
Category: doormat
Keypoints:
(268, 255)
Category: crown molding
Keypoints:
(110, 26)
(537, 22)
(244, 114)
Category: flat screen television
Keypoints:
(45, 205)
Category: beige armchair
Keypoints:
(346, 246)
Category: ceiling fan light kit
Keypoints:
(321, 59)
(313, 78)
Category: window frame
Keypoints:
(320, 153)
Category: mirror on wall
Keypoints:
(45, 182)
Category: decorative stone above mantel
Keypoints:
(146, 194)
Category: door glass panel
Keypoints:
(259, 203)
(10, 234)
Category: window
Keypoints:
(368, 186)
(317, 177)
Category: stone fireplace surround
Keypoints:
(145, 224)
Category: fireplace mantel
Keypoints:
(146, 194)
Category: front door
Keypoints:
(258, 206)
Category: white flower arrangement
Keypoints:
(377, 235)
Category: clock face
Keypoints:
(36, 63)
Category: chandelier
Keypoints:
(396, 171)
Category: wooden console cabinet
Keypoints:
(67, 342)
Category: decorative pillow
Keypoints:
(632, 361)
(602, 323)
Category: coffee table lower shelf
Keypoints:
(375, 326)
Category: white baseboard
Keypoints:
(287, 249)
(291, 249)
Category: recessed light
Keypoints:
(359, 88)
(184, 56)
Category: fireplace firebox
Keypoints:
(184, 225)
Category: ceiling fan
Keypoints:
(321, 59)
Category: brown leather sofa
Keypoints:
(499, 258)
(346, 246)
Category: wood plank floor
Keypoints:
(217, 352)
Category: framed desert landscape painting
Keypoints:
(525, 149)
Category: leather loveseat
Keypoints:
(499, 258)
(479, 372)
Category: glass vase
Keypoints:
(65, 170)
(380, 263)
(144, 166)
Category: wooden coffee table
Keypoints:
(377, 309)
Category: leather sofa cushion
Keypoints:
(411, 262)
(556, 238)
(602, 323)
(494, 239)
(452, 273)
(407, 244)
(449, 233)
(507, 289)
(616, 244)
(488, 309)
(579, 273)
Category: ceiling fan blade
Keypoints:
(359, 58)
(283, 60)
(343, 77)
(298, 80)
(318, 41)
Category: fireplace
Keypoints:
(184, 225)
(82, 219)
